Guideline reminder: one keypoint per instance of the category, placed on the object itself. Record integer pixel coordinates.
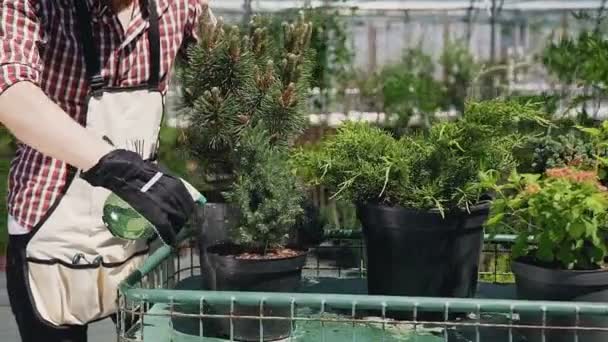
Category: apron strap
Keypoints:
(154, 43)
(91, 54)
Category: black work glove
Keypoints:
(160, 197)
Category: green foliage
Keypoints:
(582, 60)
(559, 150)
(328, 40)
(233, 81)
(495, 268)
(170, 153)
(563, 144)
(356, 160)
(265, 191)
(544, 101)
(459, 68)
(408, 87)
(439, 168)
(560, 215)
(560, 218)
(245, 98)
(340, 215)
(369, 86)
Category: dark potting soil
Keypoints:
(276, 254)
(249, 253)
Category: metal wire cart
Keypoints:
(162, 301)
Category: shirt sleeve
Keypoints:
(19, 38)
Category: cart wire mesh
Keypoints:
(163, 301)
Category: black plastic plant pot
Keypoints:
(534, 282)
(258, 275)
(421, 253)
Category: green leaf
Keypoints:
(596, 241)
(597, 253)
(602, 160)
(495, 219)
(594, 132)
(531, 178)
(597, 202)
(576, 229)
(520, 246)
(545, 248)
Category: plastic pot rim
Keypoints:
(477, 208)
(526, 271)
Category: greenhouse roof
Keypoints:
(409, 5)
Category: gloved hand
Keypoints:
(161, 198)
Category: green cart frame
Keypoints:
(162, 301)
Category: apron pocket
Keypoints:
(64, 295)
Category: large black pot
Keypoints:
(534, 282)
(269, 275)
(421, 253)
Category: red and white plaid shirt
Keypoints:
(39, 43)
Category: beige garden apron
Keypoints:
(74, 264)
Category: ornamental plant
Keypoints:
(559, 150)
(435, 169)
(244, 98)
(268, 196)
(560, 217)
(560, 145)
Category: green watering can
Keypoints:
(125, 222)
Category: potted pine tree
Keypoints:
(421, 198)
(245, 103)
(561, 221)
